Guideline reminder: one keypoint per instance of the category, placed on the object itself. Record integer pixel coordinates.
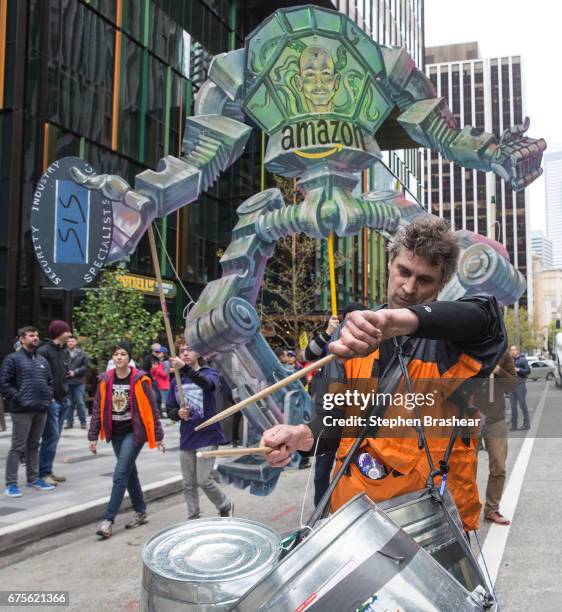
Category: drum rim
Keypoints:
(212, 519)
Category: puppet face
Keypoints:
(317, 79)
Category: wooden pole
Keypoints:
(164, 308)
(266, 392)
(236, 452)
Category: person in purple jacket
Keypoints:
(199, 385)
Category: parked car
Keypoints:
(542, 368)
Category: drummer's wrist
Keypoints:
(306, 438)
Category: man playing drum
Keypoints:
(449, 342)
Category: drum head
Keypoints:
(212, 550)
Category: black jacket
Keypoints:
(79, 364)
(58, 359)
(26, 380)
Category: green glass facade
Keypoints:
(110, 81)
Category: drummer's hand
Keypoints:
(286, 439)
(183, 413)
(360, 336)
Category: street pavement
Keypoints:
(525, 560)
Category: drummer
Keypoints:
(455, 340)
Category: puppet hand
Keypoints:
(517, 159)
(132, 212)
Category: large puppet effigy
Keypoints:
(320, 88)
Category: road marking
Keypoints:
(496, 540)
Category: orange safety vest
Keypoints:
(140, 401)
(407, 465)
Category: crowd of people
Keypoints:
(44, 386)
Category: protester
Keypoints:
(491, 403)
(150, 363)
(316, 349)
(291, 361)
(422, 258)
(160, 374)
(78, 366)
(125, 414)
(58, 358)
(519, 395)
(198, 383)
(26, 380)
(281, 354)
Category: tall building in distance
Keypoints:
(487, 93)
(553, 198)
(543, 248)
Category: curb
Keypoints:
(76, 516)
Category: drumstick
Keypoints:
(236, 452)
(267, 391)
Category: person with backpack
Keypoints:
(199, 384)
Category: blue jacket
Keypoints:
(202, 404)
(26, 380)
(523, 365)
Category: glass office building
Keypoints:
(110, 81)
(486, 93)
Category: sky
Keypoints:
(513, 27)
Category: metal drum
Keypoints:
(360, 560)
(205, 564)
(423, 519)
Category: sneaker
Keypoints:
(139, 518)
(83, 426)
(194, 517)
(58, 478)
(50, 480)
(227, 512)
(105, 529)
(12, 491)
(40, 484)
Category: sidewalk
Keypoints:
(82, 498)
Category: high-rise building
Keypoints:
(542, 246)
(486, 93)
(553, 200)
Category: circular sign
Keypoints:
(71, 226)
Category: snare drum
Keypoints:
(205, 564)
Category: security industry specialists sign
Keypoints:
(146, 284)
(71, 226)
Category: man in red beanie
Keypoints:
(59, 332)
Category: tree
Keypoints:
(293, 282)
(112, 312)
(520, 330)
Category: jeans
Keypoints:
(77, 401)
(519, 395)
(56, 414)
(125, 476)
(27, 428)
(197, 473)
(322, 471)
(495, 437)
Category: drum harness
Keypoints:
(389, 381)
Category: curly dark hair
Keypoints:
(430, 237)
